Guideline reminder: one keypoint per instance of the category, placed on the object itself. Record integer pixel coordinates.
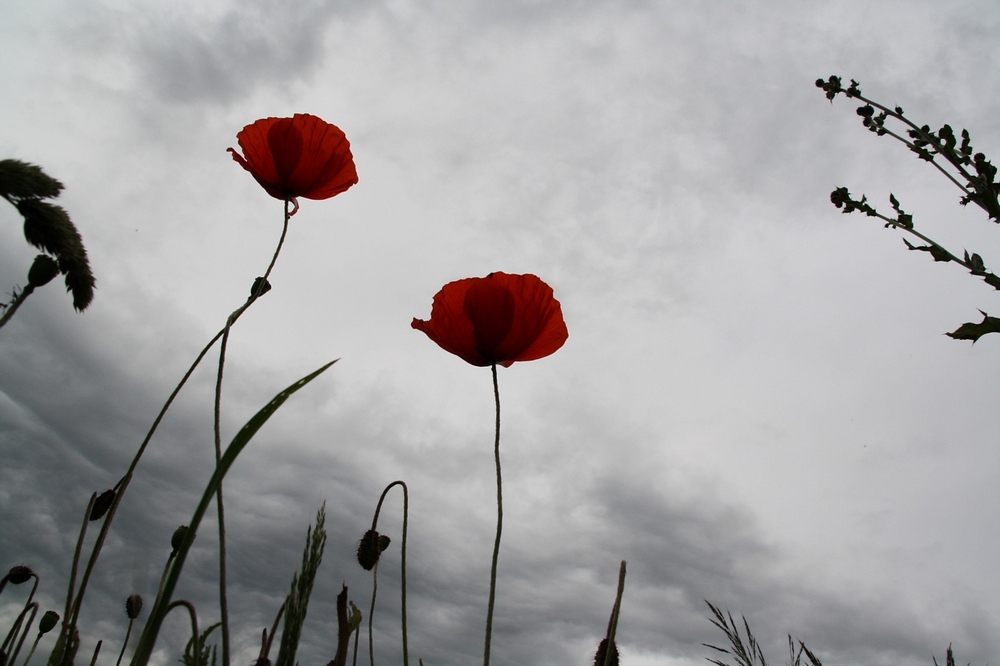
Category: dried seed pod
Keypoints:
(48, 622)
(371, 547)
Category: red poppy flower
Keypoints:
(301, 156)
(500, 318)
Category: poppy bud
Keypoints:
(602, 654)
(133, 606)
(48, 622)
(19, 574)
(102, 504)
(260, 287)
(371, 547)
(178, 537)
(42, 271)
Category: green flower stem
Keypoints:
(69, 619)
(128, 633)
(223, 603)
(496, 544)
(22, 628)
(12, 634)
(15, 304)
(162, 604)
(34, 646)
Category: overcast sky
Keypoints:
(756, 404)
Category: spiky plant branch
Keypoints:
(970, 171)
(746, 653)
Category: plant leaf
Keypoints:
(20, 180)
(973, 332)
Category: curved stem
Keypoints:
(496, 543)
(371, 612)
(223, 603)
(196, 640)
(29, 612)
(128, 633)
(371, 617)
(34, 646)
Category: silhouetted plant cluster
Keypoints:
(495, 320)
(955, 158)
(489, 321)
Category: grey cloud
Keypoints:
(189, 59)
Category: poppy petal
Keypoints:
(301, 156)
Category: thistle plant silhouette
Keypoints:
(955, 158)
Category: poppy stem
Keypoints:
(496, 544)
(260, 286)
